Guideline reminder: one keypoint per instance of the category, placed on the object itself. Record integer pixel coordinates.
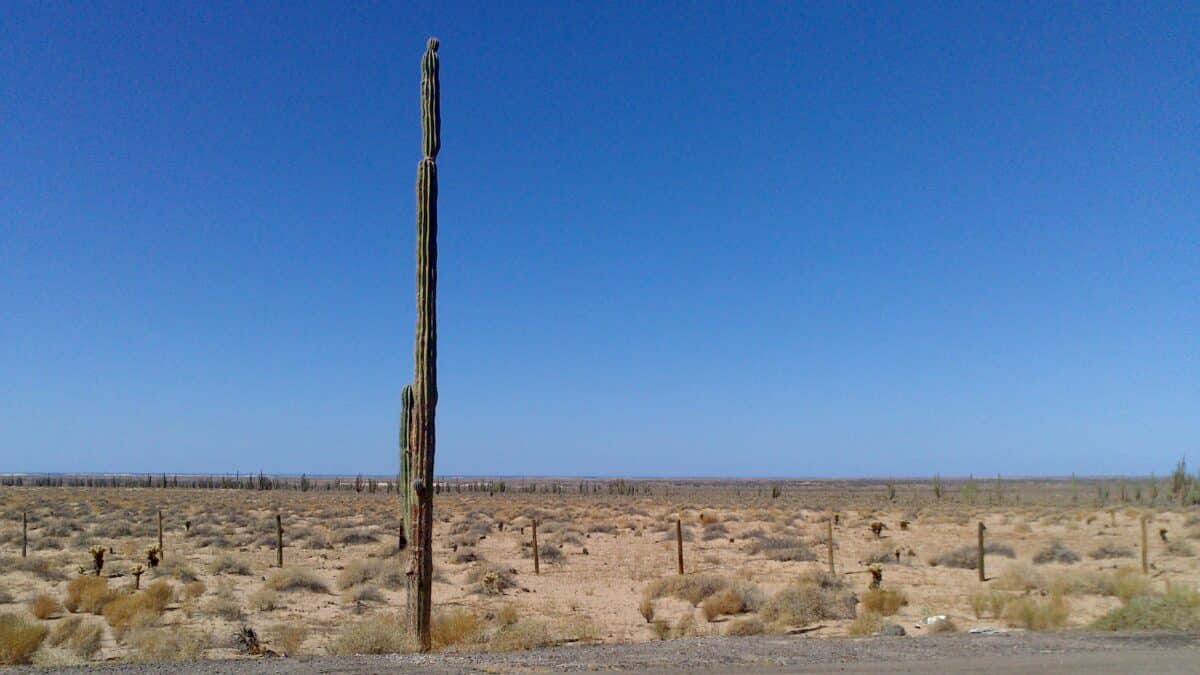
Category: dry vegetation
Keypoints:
(755, 564)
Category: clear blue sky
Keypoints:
(788, 239)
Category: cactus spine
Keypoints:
(424, 386)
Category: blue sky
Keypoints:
(764, 239)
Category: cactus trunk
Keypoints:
(424, 387)
(405, 483)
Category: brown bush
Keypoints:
(44, 606)
(884, 601)
(89, 594)
(454, 627)
(19, 639)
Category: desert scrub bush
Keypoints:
(358, 571)
(685, 627)
(1031, 614)
(225, 604)
(225, 563)
(747, 625)
(715, 531)
(81, 638)
(1179, 547)
(355, 537)
(884, 601)
(967, 557)
(989, 603)
(490, 580)
(88, 594)
(1110, 550)
(867, 623)
(264, 600)
(1128, 583)
(362, 594)
(816, 596)
(524, 634)
(945, 625)
(455, 626)
(192, 590)
(783, 549)
(693, 588)
(19, 639)
(1177, 610)
(295, 579)
(1019, 577)
(38, 566)
(1056, 552)
(740, 597)
(139, 610)
(44, 606)
(287, 637)
(386, 634)
(547, 553)
(174, 567)
(156, 645)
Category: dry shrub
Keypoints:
(1031, 614)
(884, 601)
(39, 567)
(967, 557)
(80, 637)
(140, 610)
(360, 595)
(19, 639)
(1129, 583)
(264, 600)
(816, 596)
(225, 563)
(44, 606)
(1181, 548)
(287, 637)
(454, 627)
(693, 588)
(507, 615)
(490, 579)
(1110, 550)
(685, 627)
(1019, 577)
(646, 608)
(358, 571)
(741, 597)
(1056, 552)
(168, 644)
(748, 625)
(193, 589)
(387, 634)
(524, 634)
(783, 549)
(1177, 610)
(296, 579)
(867, 623)
(89, 594)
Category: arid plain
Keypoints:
(1059, 556)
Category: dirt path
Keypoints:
(1008, 653)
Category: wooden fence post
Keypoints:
(279, 540)
(537, 566)
(830, 542)
(1145, 549)
(25, 534)
(679, 542)
(161, 554)
(982, 574)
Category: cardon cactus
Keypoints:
(424, 386)
(405, 482)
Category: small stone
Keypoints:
(892, 630)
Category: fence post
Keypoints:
(279, 540)
(679, 542)
(25, 534)
(537, 567)
(161, 554)
(829, 523)
(982, 574)
(1145, 549)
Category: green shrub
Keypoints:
(1178, 610)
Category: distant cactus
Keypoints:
(97, 558)
(153, 554)
(137, 573)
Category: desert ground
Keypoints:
(1060, 555)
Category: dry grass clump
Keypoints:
(884, 601)
(358, 571)
(1177, 610)
(295, 579)
(524, 634)
(168, 644)
(1019, 577)
(783, 549)
(867, 623)
(455, 626)
(490, 580)
(1181, 548)
(81, 638)
(693, 588)
(816, 596)
(967, 557)
(1056, 552)
(287, 637)
(715, 531)
(39, 567)
(225, 563)
(139, 610)
(264, 600)
(44, 606)
(1109, 550)
(363, 594)
(19, 639)
(739, 598)
(386, 634)
(748, 625)
(88, 594)
(946, 625)
(1031, 614)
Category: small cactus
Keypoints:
(137, 573)
(97, 558)
(153, 555)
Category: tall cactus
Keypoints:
(405, 483)
(424, 387)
